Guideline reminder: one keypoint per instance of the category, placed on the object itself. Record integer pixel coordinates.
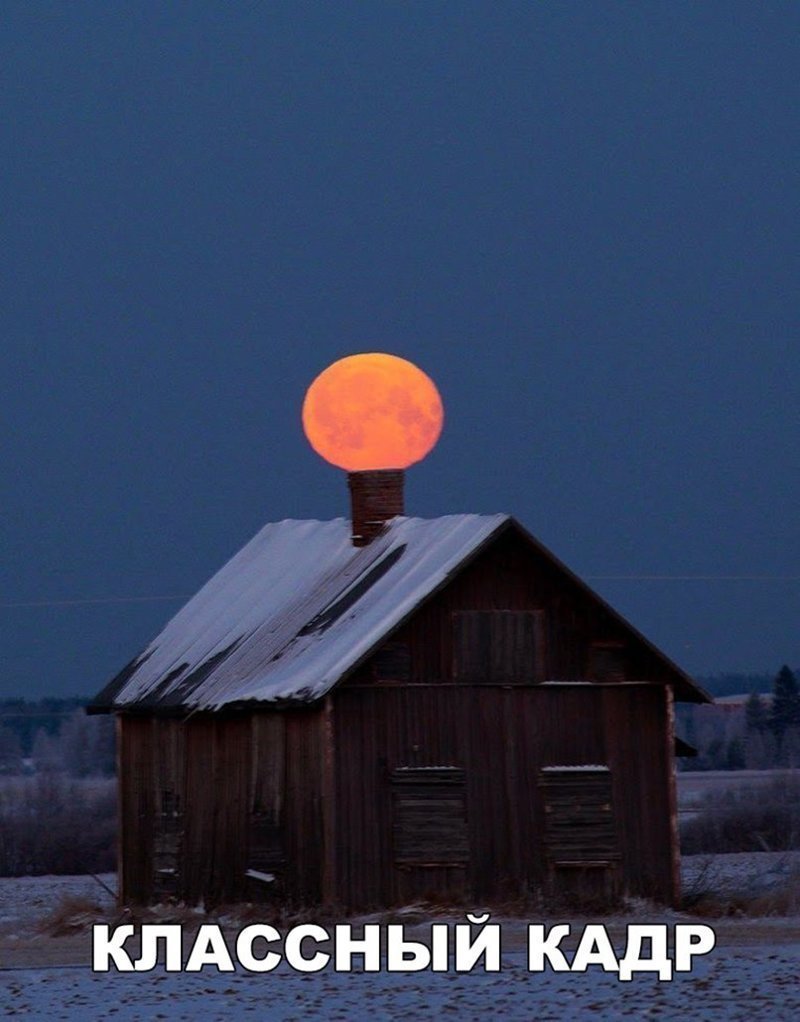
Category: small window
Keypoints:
(429, 820)
(167, 844)
(502, 646)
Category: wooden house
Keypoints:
(374, 711)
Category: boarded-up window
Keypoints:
(166, 747)
(429, 820)
(579, 818)
(503, 646)
(607, 661)
(167, 840)
(392, 662)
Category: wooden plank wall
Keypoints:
(305, 842)
(136, 809)
(511, 575)
(234, 780)
(251, 788)
(641, 774)
(503, 733)
(501, 737)
(202, 797)
(169, 800)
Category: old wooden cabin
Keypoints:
(369, 712)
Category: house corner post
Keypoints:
(120, 811)
(672, 799)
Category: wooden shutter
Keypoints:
(470, 645)
(167, 844)
(501, 646)
(429, 820)
(579, 820)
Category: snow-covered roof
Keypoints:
(299, 607)
(294, 611)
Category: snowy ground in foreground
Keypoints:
(26, 900)
(748, 984)
(754, 973)
(753, 873)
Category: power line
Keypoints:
(106, 599)
(587, 578)
(692, 578)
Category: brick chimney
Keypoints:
(375, 497)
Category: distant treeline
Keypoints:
(26, 717)
(55, 735)
(736, 684)
(761, 731)
(57, 791)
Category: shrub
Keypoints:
(51, 823)
(744, 819)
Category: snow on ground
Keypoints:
(753, 973)
(26, 900)
(696, 788)
(746, 986)
(750, 873)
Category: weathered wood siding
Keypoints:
(642, 768)
(206, 799)
(136, 788)
(462, 700)
(501, 738)
(308, 795)
(510, 575)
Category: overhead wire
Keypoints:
(79, 601)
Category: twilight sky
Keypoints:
(580, 219)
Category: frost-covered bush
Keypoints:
(743, 820)
(52, 823)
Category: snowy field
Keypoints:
(753, 974)
(696, 788)
(751, 984)
(743, 874)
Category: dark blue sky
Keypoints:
(580, 219)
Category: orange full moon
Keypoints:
(372, 411)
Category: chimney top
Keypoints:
(376, 496)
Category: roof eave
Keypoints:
(686, 688)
